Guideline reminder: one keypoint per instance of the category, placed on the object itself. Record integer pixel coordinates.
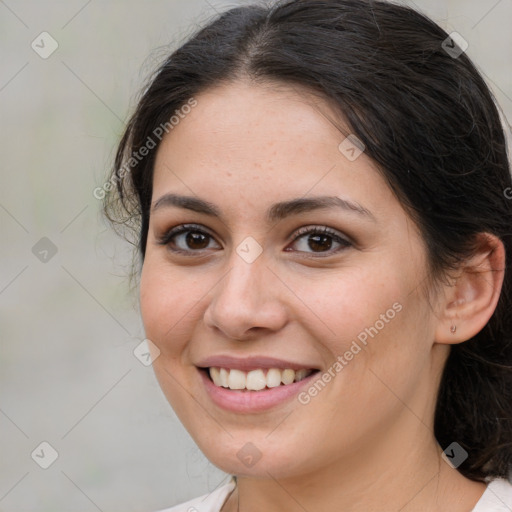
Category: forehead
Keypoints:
(262, 145)
(241, 121)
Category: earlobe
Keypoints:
(471, 300)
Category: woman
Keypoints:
(319, 197)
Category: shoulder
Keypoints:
(211, 502)
(496, 498)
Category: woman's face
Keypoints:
(267, 279)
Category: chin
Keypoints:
(255, 459)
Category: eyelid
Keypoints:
(322, 229)
(170, 233)
(336, 235)
(339, 237)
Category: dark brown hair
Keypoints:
(426, 118)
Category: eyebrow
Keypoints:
(276, 212)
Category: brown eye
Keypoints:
(196, 240)
(320, 240)
(319, 243)
(188, 239)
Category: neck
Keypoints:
(396, 467)
(405, 473)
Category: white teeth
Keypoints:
(224, 375)
(215, 375)
(236, 379)
(273, 378)
(256, 380)
(301, 374)
(288, 376)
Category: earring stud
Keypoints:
(453, 328)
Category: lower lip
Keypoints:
(252, 401)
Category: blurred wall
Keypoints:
(68, 321)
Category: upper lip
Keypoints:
(250, 363)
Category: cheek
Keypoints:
(383, 336)
(373, 316)
(170, 301)
(346, 304)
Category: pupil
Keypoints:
(194, 240)
(320, 242)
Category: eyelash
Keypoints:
(167, 237)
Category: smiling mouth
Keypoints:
(255, 380)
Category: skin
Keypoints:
(366, 441)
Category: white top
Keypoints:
(211, 502)
(496, 498)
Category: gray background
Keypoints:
(68, 326)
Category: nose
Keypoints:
(248, 302)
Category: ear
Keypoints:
(470, 300)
